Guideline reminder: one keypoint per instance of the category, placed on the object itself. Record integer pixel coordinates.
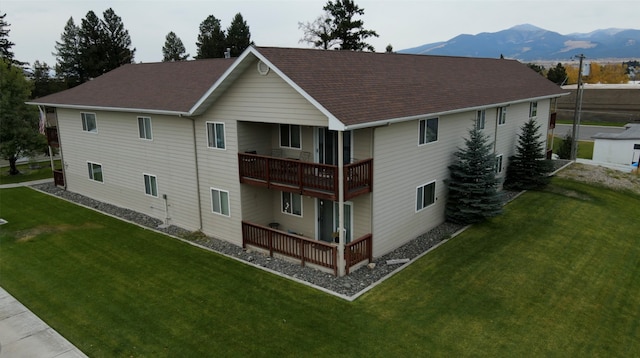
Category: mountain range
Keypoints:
(531, 43)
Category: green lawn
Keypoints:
(27, 173)
(557, 275)
(585, 148)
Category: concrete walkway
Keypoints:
(28, 183)
(22, 333)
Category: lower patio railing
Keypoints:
(304, 249)
(358, 251)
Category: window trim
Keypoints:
(84, 122)
(291, 195)
(289, 139)
(499, 164)
(533, 109)
(155, 182)
(220, 191)
(481, 119)
(91, 172)
(215, 132)
(145, 135)
(422, 137)
(433, 202)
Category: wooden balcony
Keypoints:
(58, 177)
(552, 120)
(52, 136)
(304, 249)
(312, 179)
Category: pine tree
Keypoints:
(473, 186)
(528, 169)
(238, 36)
(558, 74)
(92, 46)
(68, 67)
(211, 39)
(5, 44)
(350, 32)
(173, 49)
(564, 150)
(118, 41)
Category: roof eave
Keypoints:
(384, 122)
(111, 109)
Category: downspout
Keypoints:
(341, 231)
(195, 160)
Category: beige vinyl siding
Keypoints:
(252, 109)
(125, 157)
(269, 99)
(361, 216)
(363, 143)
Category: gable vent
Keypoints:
(263, 69)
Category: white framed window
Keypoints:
(480, 119)
(428, 130)
(425, 195)
(144, 128)
(220, 202)
(290, 136)
(533, 109)
(291, 203)
(502, 115)
(498, 164)
(95, 171)
(89, 123)
(215, 135)
(151, 185)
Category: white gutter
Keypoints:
(110, 109)
(384, 122)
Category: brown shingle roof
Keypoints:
(163, 86)
(360, 87)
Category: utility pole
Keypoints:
(576, 113)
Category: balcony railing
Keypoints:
(52, 136)
(358, 251)
(312, 179)
(306, 250)
(276, 241)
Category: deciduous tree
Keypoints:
(473, 187)
(19, 134)
(173, 49)
(528, 169)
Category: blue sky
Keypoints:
(37, 24)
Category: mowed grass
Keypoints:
(585, 147)
(557, 275)
(42, 170)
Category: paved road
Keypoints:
(585, 132)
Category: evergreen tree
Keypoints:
(557, 74)
(389, 49)
(238, 36)
(68, 67)
(43, 83)
(528, 169)
(19, 134)
(350, 32)
(118, 41)
(92, 47)
(211, 39)
(337, 27)
(564, 150)
(473, 186)
(173, 49)
(5, 44)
